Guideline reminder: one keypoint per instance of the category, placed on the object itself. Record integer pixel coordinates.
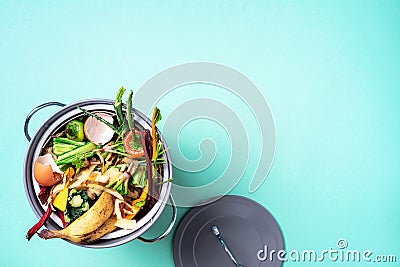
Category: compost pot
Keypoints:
(51, 126)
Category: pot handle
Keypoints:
(166, 232)
(33, 111)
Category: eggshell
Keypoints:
(45, 171)
(98, 132)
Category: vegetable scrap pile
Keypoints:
(100, 172)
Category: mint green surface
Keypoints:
(330, 71)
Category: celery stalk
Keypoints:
(79, 150)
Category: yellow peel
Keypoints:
(61, 199)
(83, 176)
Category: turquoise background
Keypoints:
(330, 71)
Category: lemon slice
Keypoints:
(96, 131)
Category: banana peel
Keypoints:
(107, 227)
(92, 225)
(95, 223)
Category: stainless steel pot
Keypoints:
(52, 125)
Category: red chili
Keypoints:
(39, 224)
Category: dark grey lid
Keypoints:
(245, 226)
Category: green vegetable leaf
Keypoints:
(78, 162)
(140, 203)
(139, 177)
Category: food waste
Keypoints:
(100, 172)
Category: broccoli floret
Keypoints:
(77, 205)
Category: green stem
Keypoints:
(129, 112)
(79, 150)
(118, 106)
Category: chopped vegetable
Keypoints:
(88, 147)
(63, 145)
(74, 130)
(77, 205)
(139, 177)
(138, 203)
(60, 148)
(76, 201)
(60, 201)
(121, 183)
(142, 197)
(64, 140)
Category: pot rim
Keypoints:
(41, 137)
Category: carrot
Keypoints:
(155, 119)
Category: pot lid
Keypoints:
(245, 226)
